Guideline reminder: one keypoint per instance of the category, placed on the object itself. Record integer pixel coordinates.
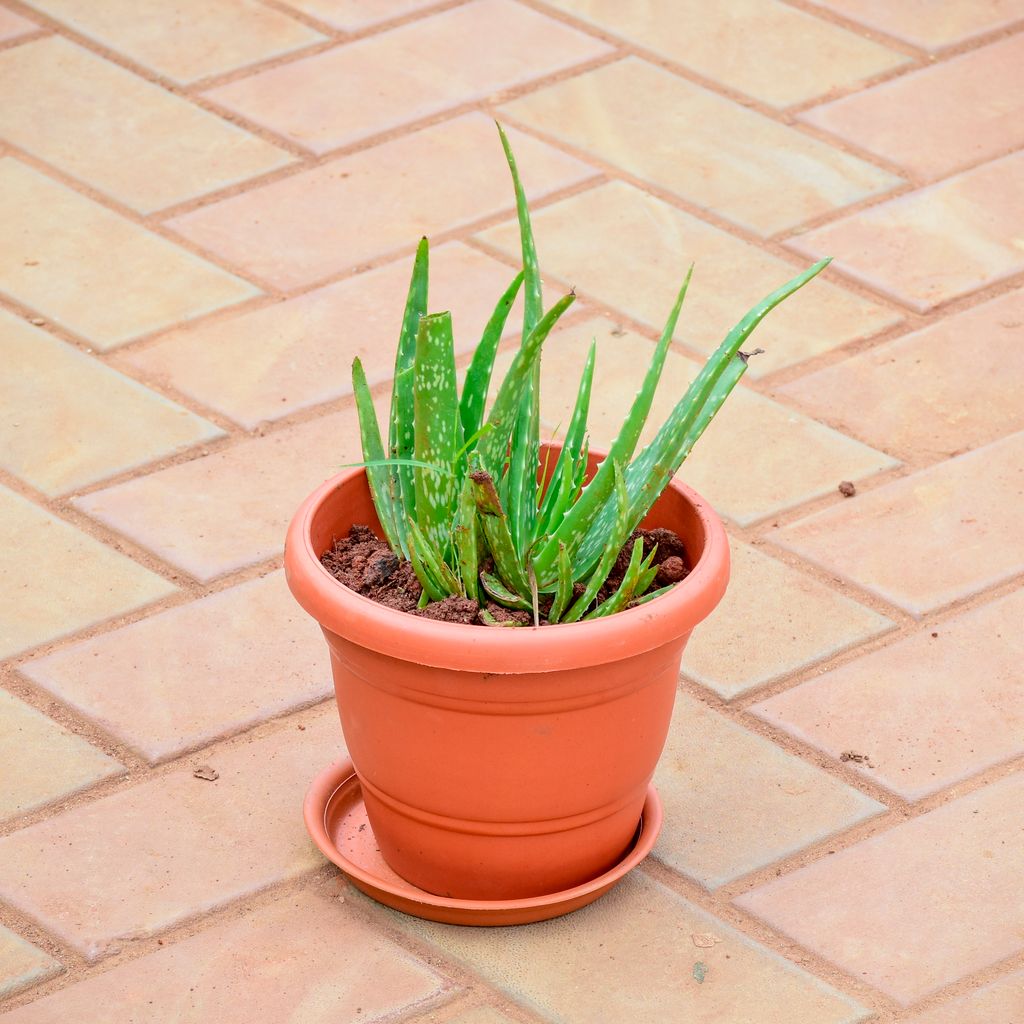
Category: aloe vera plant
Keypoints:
(457, 488)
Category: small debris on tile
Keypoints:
(847, 488)
(206, 773)
(38, 321)
(618, 331)
(852, 755)
(700, 972)
(704, 940)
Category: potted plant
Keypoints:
(507, 647)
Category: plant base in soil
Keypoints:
(364, 563)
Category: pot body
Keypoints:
(502, 763)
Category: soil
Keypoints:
(364, 563)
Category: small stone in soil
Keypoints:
(206, 773)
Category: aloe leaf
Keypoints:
(492, 447)
(649, 474)
(563, 594)
(401, 440)
(613, 543)
(522, 473)
(644, 598)
(578, 520)
(439, 570)
(496, 590)
(533, 300)
(378, 476)
(497, 534)
(436, 429)
(627, 585)
(478, 376)
(489, 620)
(647, 577)
(560, 492)
(467, 542)
(433, 588)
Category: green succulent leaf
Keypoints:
(614, 542)
(637, 569)
(478, 376)
(562, 482)
(563, 594)
(467, 541)
(378, 475)
(578, 520)
(436, 433)
(492, 447)
(497, 534)
(402, 439)
(497, 591)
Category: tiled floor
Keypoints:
(207, 208)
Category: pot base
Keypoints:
(336, 818)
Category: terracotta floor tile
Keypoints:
(735, 802)
(119, 133)
(785, 458)
(138, 861)
(745, 45)
(58, 580)
(920, 394)
(1002, 1000)
(772, 621)
(13, 25)
(476, 1015)
(361, 207)
(745, 167)
(934, 244)
(354, 15)
(927, 24)
(421, 68)
(627, 249)
(157, 150)
(937, 120)
(188, 39)
(43, 761)
(66, 420)
(117, 280)
(306, 345)
(918, 907)
(929, 711)
(634, 949)
(228, 510)
(294, 959)
(937, 536)
(188, 676)
(21, 964)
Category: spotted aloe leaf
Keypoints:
(496, 530)
(562, 482)
(478, 376)
(401, 440)
(492, 447)
(521, 485)
(616, 538)
(577, 521)
(437, 430)
(650, 473)
(636, 579)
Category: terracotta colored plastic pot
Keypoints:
(502, 763)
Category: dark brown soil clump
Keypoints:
(364, 563)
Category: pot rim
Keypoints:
(456, 646)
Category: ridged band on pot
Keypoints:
(502, 763)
